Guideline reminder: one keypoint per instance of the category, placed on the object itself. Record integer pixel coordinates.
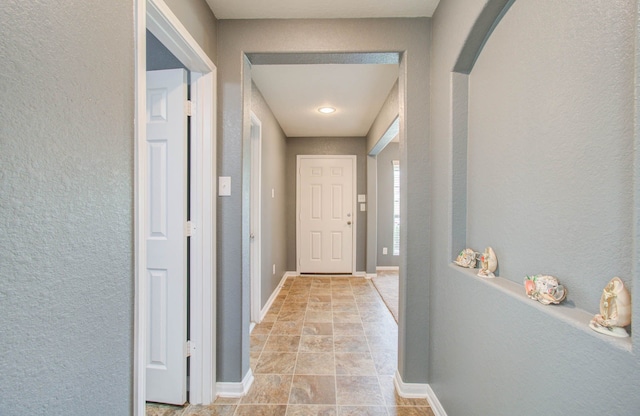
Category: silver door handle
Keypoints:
(252, 236)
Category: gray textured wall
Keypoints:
(326, 146)
(274, 225)
(201, 23)
(385, 117)
(550, 187)
(66, 208)
(385, 204)
(412, 38)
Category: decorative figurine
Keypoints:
(467, 258)
(489, 263)
(615, 310)
(544, 289)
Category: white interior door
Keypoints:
(256, 203)
(326, 215)
(166, 363)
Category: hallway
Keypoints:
(327, 347)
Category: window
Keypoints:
(396, 207)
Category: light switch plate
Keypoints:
(362, 198)
(363, 207)
(224, 186)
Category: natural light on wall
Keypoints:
(396, 207)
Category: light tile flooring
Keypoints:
(327, 347)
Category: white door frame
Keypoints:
(156, 16)
(256, 214)
(353, 209)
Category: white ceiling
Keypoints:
(295, 92)
(325, 9)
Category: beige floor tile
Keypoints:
(386, 361)
(311, 410)
(308, 389)
(271, 316)
(211, 410)
(324, 316)
(261, 410)
(362, 411)
(269, 389)
(158, 409)
(291, 316)
(316, 343)
(345, 307)
(282, 343)
(410, 411)
(359, 391)
(319, 296)
(319, 307)
(276, 363)
(257, 342)
(342, 317)
(317, 328)
(384, 342)
(354, 364)
(287, 328)
(348, 328)
(227, 400)
(290, 306)
(321, 363)
(350, 343)
(263, 328)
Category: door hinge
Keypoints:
(191, 348)
(188, 108)
(190, 229)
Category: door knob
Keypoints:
(252, 236)
(348, 222)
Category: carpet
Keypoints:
(386, 283)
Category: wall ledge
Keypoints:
(566, 311)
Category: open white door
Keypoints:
(256, 227)
(326, 215)
(166, 363)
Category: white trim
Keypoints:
(410, 390)
(255, 189)
(360, 274)
(392, 268)
(435, 404)
(418, 391)
(354, 159)
(273, 296)
(140, 248)
(370, 276)
(235, 390)
(156, 16)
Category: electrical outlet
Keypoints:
(384, 250)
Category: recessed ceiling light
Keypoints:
(327, 110)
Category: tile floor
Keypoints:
(327, 347)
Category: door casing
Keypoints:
(156, 16)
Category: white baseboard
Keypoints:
(435, 404)
(387, 268)
(274, 295)
(418, 391)
(235, 390)
(369, 275)
(360, 274)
